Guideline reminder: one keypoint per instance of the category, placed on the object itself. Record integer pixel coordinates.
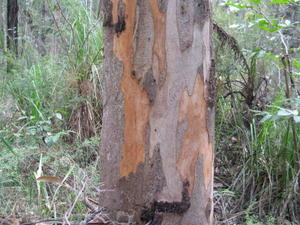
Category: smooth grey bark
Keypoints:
(158, 120)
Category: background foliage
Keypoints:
(50, 111)
(257, 161)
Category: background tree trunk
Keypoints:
(2, 25)
(12, 25)
(158, 121)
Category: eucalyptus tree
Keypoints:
(158, 120)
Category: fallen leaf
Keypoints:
(55, 180)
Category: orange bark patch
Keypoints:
(159, 49)
(195, 140)
(136, 103)
(115, 10)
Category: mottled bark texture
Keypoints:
(158, 121)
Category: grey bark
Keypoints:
(157, 134)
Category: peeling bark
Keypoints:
(157, 135)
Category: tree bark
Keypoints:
(12, 25)
(158, 120)
(2, 25)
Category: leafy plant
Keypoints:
(257, 118)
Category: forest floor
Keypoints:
(41, 179)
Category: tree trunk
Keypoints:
(2, 25)
(158, 121)
(12, 25)
(43, 35)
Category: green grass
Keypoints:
(259, 167)
(40, 109)
(37, 100)
(20, 191)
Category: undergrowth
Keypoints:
(50, 114)
(28, 199)
(257, 121)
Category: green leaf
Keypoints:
(266, 118)
(274, 57)
(22, 118)
(239, 6)
(281, 2)
(228, 192)
(287, 112)
(9, 147)
(265, 25)
(296, 63)
(255, 1)
(51, 140)
(261, 53)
